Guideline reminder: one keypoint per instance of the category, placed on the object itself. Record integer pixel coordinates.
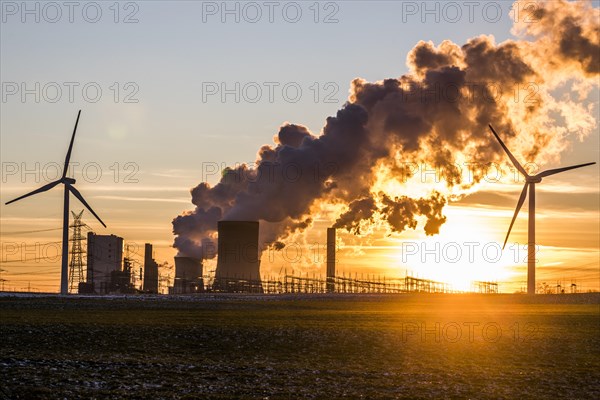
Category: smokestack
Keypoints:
(188, 275)
(330, 260)
(150, 271)
(238, 254)
(147, 253)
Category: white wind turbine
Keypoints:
(530, 181)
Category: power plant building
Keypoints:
(104, 255)
(150, 284)
(238, 263)
(188, 276)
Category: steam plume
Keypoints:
(436, 114)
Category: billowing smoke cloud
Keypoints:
(567, 33)
(436, 114)
(399, 213)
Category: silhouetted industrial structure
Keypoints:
(76, 264)
(484, 287)
(343, 284)
(150, 284)
(120, 281)
(238, 263)
(104, 255)
(238, 270)
(331, 260)
(338, 284)
(188, 276)
(420, 285)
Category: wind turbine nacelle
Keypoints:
(533, 179)
(70, 181)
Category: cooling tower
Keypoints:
(188, 275)
(238, 255)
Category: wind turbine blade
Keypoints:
(519, 205)
(42, 189)
(82, 200)
(71, 146)
(559, 170)
(512, 158)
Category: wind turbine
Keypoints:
(68, 182)
(530, 181)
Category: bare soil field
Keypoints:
(300, 347)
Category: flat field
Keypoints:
(300, 347)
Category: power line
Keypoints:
(32, 274)
(34, 231)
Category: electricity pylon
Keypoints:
(76, 264)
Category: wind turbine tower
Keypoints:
(530, 182)
(68, 185)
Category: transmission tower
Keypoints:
(76, 264)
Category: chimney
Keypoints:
(330, 260)
(150, 284)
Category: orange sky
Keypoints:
(567, 231)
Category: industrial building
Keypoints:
(150, 284)
(188, 276)
(237, 270)
(238, 263)
(104, 255)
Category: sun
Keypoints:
(464, 251)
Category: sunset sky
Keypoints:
(155, 132)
